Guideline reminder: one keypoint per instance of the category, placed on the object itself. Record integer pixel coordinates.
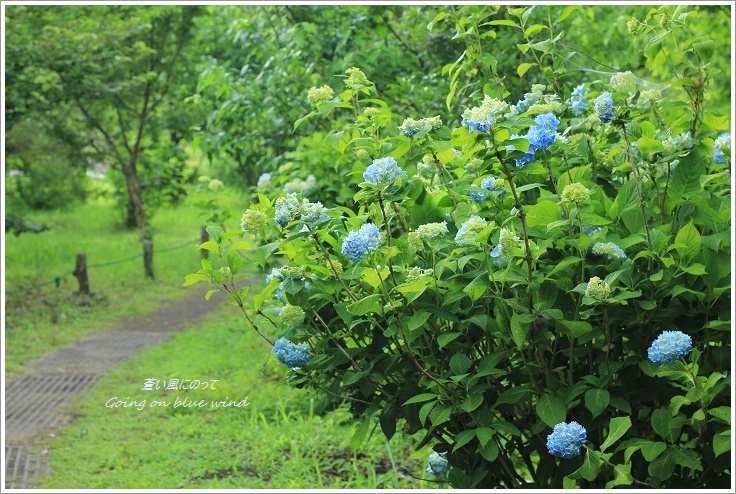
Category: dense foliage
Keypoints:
(538, 280)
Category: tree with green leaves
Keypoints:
(107, 75)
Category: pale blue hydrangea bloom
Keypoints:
(542, 135)
(530, 99)
(384, 171)
(469, 229)
(313, 212)
(410, 127)
(507, 240)
(305, 187)
(264, 182)
(675, 144)
(669, 346)
(292, 354)
(286, 209)
(603, 105)
(482, 117)
(723, 141)
(358, 243)
(488, 183)
(577, 100)
(566, 440)
(437, 464)
(609, 249)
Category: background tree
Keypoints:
(105, 78)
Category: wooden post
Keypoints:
(204, 237)
(80, 272)
(148, 257)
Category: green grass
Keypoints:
(39, 319)
(279, 440)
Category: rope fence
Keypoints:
(81, 266)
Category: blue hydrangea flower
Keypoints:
(542, 135)
(286, 209)
(723, 141)
(577, 100)
(469, 229)
(384, 171)
(264, 182)
(669, 346)
(437, 464)
(609, 249)
(603, 105)
(358, 243)
(292, 354)
(487, 183)
(566, 440)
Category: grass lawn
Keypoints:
(40, 319)
(282, 438)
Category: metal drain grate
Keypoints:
(32, 402)
(22, 469)
(98, 353)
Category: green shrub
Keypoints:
(491, 281)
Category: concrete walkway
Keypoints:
(41, 400)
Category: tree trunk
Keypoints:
(136, 210)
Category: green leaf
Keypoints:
(551, 410)
(652, 450)
(215, 232)
(489, 451)
(477, 287)
(621, 476)
(696, 269)
(235, 263)
(367, 305)
(440, 414)
(420, 398)
(660, 420)
(688, 241)
(417, 320)
(445, 338)
(705, 49)
(722, 414)
(436, 19)
(648, 145)
(575, 329)
(566, 13)
(209, 294)
(463, 438)
(211, 246)
(685, 181)
(356, 441)
(616, 429)
(596, 400)
(424, 411)
(472, 402)
(512, 396)
(524, 67)
(388, 419)
(663, 466)
(534, 29)
(722, 442)
(484, 434)
(519, 330)
(459, 363)
(193, 278)
(591, 467)
(502, 22)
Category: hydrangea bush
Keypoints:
(549, 268)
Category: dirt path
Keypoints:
(38, 401)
